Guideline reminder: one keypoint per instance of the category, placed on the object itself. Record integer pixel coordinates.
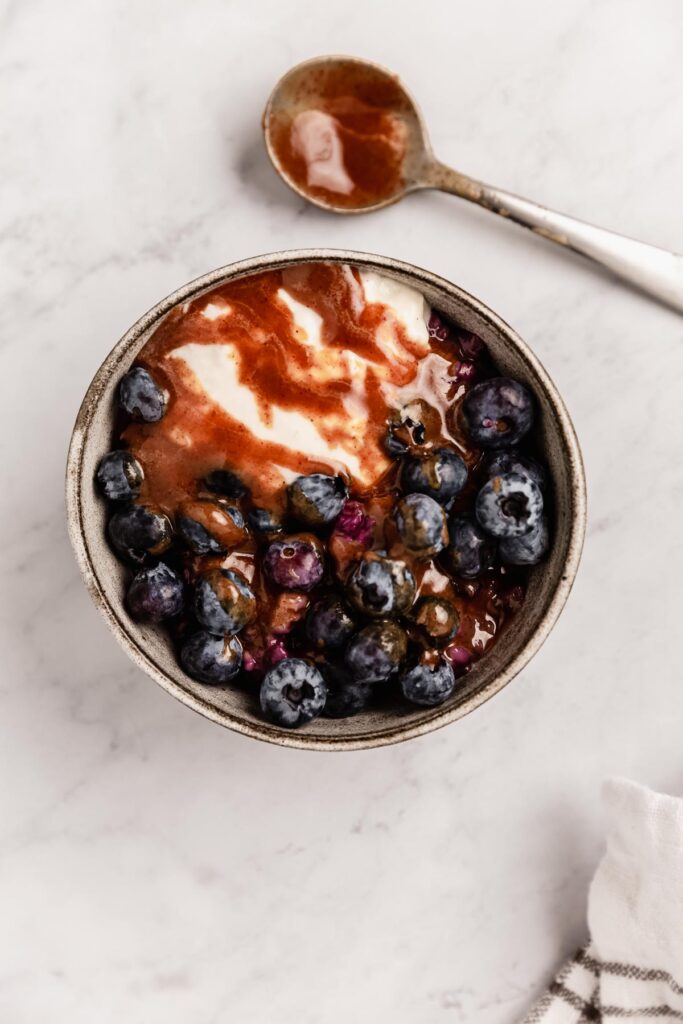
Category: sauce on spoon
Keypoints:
(339, 133)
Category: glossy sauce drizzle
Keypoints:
(342, 136)
(298, 371)
(293, 400)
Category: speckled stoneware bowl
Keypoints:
(150, 647)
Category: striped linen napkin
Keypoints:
(632, 969)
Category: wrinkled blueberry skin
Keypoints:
(198, 538)
(438, 327)
(328, 623)
(441, 475)
(428, 687)
(226, 483)
(470, 551)
(155, 594)
(381, 586)
(262, 521)
(509, 505)
(211, 659)
(438, 619)
(512, 461)
(471, 345)
(421, 524)
(345, 696)
(223, 601)
(463, 372)
(140, 531)
(498, 412)
(119, 476)
(317, 499)
(292, 693)
(141, 397)
(294, 563)
(355, 524)
(528, 549)
(376, 651)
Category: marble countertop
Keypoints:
(154, 867)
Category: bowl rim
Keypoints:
(440, 716)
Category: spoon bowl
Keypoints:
(361, 93)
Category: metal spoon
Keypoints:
(654, 271)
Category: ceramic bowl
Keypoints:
(150, 647)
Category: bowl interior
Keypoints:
(151, 647)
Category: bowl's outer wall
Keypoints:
(151, 648)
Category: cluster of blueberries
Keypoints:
(357, 636)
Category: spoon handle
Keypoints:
(652, 270)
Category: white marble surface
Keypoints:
(155, 868)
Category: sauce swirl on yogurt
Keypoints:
(314, 368)
(291, 372)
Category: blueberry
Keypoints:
(512, 461)
(223, 601)
(210, 527)
(463, 371)
(438, 327)
(119, 476)
(328, 623)
(528, 549)
(421, 524)
(262, 649)
(292, 693)
(345, 696)
(295, 563)
(263, 521)
(376, 651)
(393, 445)
(428, 686)
(498, 412)
(141, 396)
(226, 483)
(459, 658)
(140, 531)
(381, 586)
(211, 659)
(317, 499)
(509, 505)
(441, 474)
(197, 538)
(471, 345)
(438, 619)
(155, 594)
(470, 551)
(409, 427)
(355, 524)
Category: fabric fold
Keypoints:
(632, 969)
